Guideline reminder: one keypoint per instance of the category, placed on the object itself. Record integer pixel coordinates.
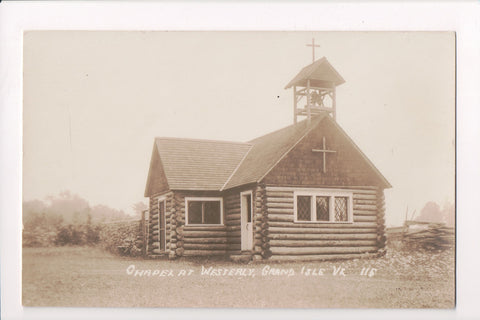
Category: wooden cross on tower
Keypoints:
(324, 151)
(313, 45)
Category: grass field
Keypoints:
(84, 276)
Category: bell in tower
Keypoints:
(314, 89)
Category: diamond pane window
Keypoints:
(341, 209)
(304, 208)
(322, 209)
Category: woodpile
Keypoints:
(434, 236)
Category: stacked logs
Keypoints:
(153, 236)
(154, 221)
(232, 221)
(177, 222)
(381, 238)
(262, 241)
(429, 236)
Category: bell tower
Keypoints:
(314, 88)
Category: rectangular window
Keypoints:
(323, 206)
(207, 211)
(304, 210)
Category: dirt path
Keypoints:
(75, 276)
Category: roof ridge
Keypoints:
(308, 130)
(236, 168)
(203, 140)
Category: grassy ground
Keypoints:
(82, 276)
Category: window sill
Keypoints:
(204, 225)
(323, 222)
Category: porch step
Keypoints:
(244, 256)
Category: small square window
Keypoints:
(204, 211)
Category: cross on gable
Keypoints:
(324, 151)
(313, 45)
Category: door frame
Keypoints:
(164, 200)
(244, 220)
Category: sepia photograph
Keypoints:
(239, 169)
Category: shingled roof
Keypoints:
(193, 164)
(320, 72)
(268, 150)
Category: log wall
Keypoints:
(316, 241)
(196, 240)
(231, 203)
(153, 236)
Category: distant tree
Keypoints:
(65, 218)
(430, 213)
(448, 213)
(103, 213)
(138, 208)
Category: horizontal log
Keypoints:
(203, 246)
(320, 257)
(233, 228)
(233, 234)
(361, 196)
(192, 253)
(204, 228)
(322, 243)
(233, 216)
(320, 250)
(364, 207)
(233, 223)
(236, 240)
(322, 236)
(288, 199)
(155, 217)
(280, 217)
(155, 244)
(158, 251)
(364, 218)
(364, 201)
(280, 210)
(312, 225)
(204, 234)
(232, 207)
(277, 230)
(364, 212)
(279, 205)
(205, 240)
(279, 194)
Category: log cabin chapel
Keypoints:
(304, 192)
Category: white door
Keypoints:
(246, 220)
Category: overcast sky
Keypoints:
(94, 101)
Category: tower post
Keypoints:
(315, 85)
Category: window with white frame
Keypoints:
(204, 211)
(323, 206)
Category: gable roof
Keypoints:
(320, 70)
(192, 164)
(268, 150)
